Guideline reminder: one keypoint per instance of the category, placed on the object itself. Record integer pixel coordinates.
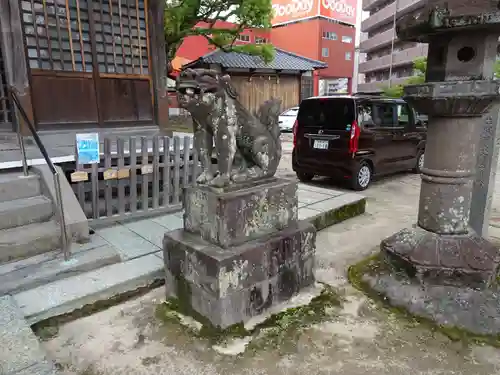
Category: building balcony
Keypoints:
(404, 57)
(370, 4)
(376, 42)
(386, 14)
(378, 85)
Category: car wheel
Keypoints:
(362, 176)
(420, 162)
(304, 177)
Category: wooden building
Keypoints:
(288, 76)
(84, 63)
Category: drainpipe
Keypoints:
(392, 42)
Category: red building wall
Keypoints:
(193, 47)
(306, 38)
(338, 66)
(300, 38)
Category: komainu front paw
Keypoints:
(220, 181)
(239, 177)
(205, 177)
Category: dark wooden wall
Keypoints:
(89, 62)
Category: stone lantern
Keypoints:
(442, 249)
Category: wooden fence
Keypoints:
(136, 177)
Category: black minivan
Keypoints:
(356, 137)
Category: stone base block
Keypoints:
(474, 310)
(229, 286)
(460, 260)
(231, 217)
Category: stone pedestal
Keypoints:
(228, 217)
(241, 251)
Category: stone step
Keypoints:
(18, 212)
(28, 240)
(42, 269)
(67, 295)
(15, 185)
(21, 352)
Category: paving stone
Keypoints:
(305, 213)
(127, 242)
(67, 295)
(171, 221)
(149, 230)
(19, 347)
(336, 202)
(310, 197)
(322, 190)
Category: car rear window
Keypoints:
(334, 113)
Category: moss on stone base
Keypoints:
(337, 215)
(375, 265)
(285, 325)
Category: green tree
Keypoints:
(497, 69)
(419, 69)
(182, 16)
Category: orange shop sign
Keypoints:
(285, 11)
(340, 10)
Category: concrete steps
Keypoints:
(28, 240)
(27, 224)
(29, 273)
(30, 248)
(18, 212)
(15, 185)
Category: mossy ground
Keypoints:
(49, 328)
(374, 265)
(275, 331)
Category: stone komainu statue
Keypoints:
(247, 145)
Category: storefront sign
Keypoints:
(286, 11)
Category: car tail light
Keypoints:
(354, 139)
(294, 131)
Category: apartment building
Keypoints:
(377, 43)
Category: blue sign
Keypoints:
(87, 148)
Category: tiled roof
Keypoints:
(283, 60)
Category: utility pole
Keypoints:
(392, 42)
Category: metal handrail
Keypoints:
(65, 244)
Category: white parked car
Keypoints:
(287, 119)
